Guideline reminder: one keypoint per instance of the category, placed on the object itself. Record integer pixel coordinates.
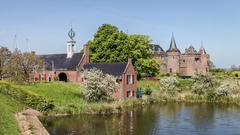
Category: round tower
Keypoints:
(173, 57)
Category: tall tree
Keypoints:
(111, 45)
(23, 65)
(5, 55)
(106, 44)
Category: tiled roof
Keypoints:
(61, 62)
(115, 69)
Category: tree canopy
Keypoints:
(17, 66)
(112, 45)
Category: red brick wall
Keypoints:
(71, 75)
(126, 86)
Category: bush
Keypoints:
(170, 85)
(228, 88)
(147, 90)
(99, 86)
(202, 84)
(27, 98)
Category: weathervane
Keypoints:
(71, 34)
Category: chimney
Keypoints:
(129, 60)
(86, 53)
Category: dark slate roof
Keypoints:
(190, 50)
(156, 48)
(115, 69)
(173, 46)
(61, 62)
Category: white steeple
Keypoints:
(71, 44)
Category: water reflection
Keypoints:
(161, 119)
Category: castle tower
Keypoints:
(204, 57)
(173, 57)
(71, 44)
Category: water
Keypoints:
(160, 119)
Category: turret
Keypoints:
(71, 44)
(173, 57)
(173, 46)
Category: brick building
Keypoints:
(185, 64)
(69, 67)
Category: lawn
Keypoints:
(8, 123)
(68, 99)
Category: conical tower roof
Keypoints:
(202, 50)
(173, 46)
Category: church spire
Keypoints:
(173, 45)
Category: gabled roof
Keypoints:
(173, 46)
(115, 69)
(61, 62)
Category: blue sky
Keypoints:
(46, 23)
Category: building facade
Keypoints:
(69, 67)
(184, 64)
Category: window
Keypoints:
(197, 59)
(130, 79)
(170, 70)
(128, 93)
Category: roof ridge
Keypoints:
(58, 54)
(107, 62)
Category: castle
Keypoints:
(184, 64)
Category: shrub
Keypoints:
(27, 98)
(228, 88)
(170, 85)
(202, 84)
(99, 86)
(147, 90)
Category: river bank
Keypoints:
(66, 99)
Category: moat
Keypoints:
(164, 119)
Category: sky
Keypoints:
(45, 23)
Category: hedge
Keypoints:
(28, 98)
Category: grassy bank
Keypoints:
(8, 123)
(67, 99)
(185, 93)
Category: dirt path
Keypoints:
(29, 123)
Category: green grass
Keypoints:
(154, 85)
(185, 84)
(68, 99)
(8, 123)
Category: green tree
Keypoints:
(147, 67)
(111, 45)
(107, 44)
(99, 86)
